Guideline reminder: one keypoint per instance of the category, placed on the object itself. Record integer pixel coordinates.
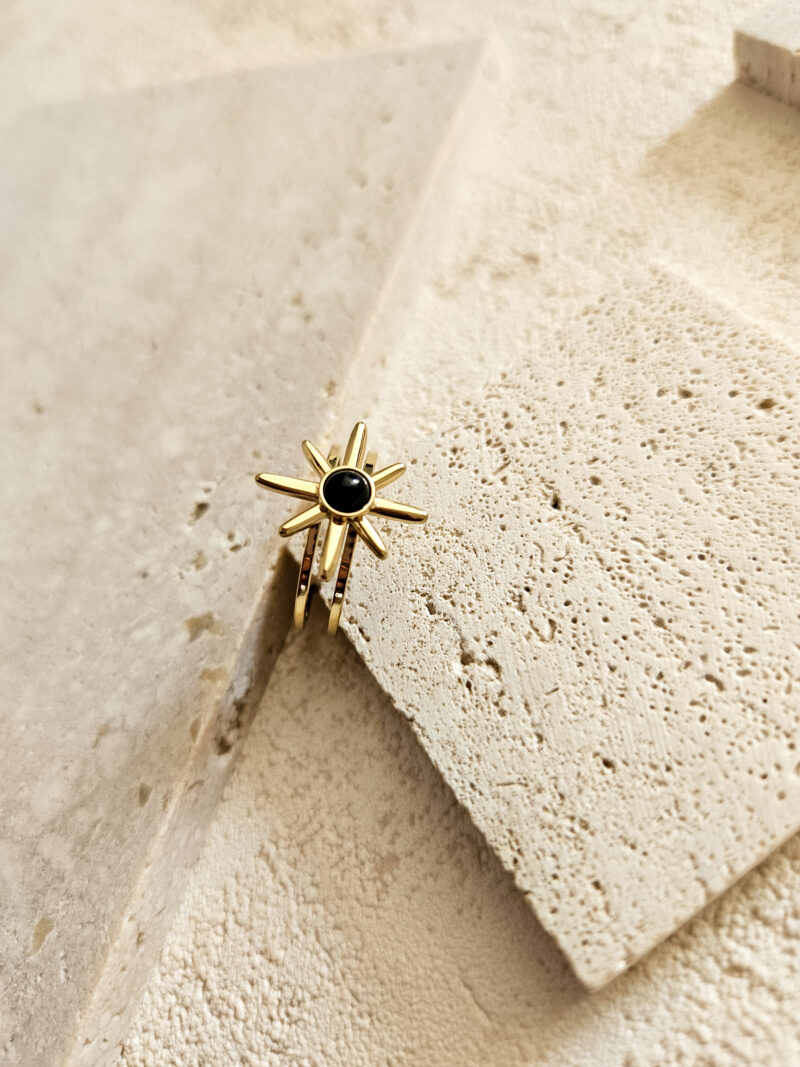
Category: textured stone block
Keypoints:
(767, 51)
(596, 635)
(345, 912)
(188, 272)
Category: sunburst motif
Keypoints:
(346, 495)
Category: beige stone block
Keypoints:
(767, 51)
(345, 912)
(595, 636)
(187, 272)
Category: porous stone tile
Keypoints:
(707, 182)
(767, 50)
(708, 178)
(186, 273)
(595, 636)
(345, 912)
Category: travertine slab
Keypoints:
(186, 273)
(767, 49)
(596, 635)
(345, 912)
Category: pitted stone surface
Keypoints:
(190, 268)
(596, 640)
(617, 137)
(345, 913)
(767, 48)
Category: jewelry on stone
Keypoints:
(345, 495)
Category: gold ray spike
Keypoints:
(302, 596)
(342, 578)
(370, 536)
(332, 547)
(356, 446)
(278, 483)
(316, 458)
(310, 517)
(345, 495)
(388, 475)
(391, 509)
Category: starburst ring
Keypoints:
(346, 494)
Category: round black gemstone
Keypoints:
(346, 491)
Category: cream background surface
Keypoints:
(619, 140)
(596, 636)
(161, 322)
(346, 911)
(617, 137)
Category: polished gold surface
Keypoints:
(370, 536)
(356, 447)
(321, 465)
(332, 547)
(301, 600)
(290, 486)
(345, 528)
(388, 475)
(302, 596)
(340, 589)
(391, 509)
(310, 517)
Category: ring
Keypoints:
(346, 494)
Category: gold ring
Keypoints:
(346, 494)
